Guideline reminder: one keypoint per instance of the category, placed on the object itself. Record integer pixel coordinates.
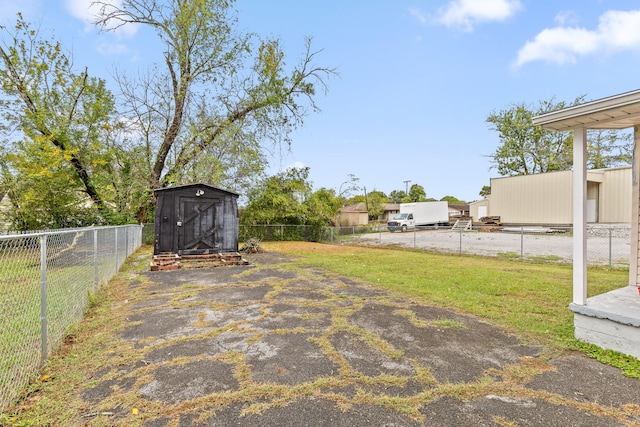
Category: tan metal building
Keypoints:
(546, 199)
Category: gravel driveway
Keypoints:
(605, 245)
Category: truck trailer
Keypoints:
(417, 214)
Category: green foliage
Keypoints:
(453, 200)
(54, 164)
(416, 194)
(396, 196)
(527, 149)
(375, 204)
(485, 191)
(209, 110)
(609, 148)
(287, 198)
(322, 207)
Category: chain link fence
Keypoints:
(46, 282)
(606, 244)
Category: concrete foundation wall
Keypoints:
(608, 334)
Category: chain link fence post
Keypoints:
(96, 278)
(521, 242)
(43, 299)
(115, 250)
(610, 246)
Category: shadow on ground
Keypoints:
(272, 344)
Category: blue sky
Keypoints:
(417, 78)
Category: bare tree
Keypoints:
(216, 86)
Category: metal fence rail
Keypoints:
(606, 244)
(46, 279)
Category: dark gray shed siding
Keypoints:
(196, 219)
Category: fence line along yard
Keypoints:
(606, 244)
(46, 280)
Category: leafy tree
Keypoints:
(287, 198)
(527, 149)
(396, 196)
(485, 191)
(609, 148)
(453, 200)
(375, 204)
(416, 194)
(54, 163)
(279, 199)
(323, 207)
(217, 96)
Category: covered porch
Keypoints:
(611, 320)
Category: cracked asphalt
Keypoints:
(274, 344)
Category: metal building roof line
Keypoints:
(614, 112)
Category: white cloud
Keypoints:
(616, 31)
(465, 14)
(87, 11)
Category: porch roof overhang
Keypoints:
(615, 112)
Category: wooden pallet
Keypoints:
(165, 262)
(490, 220)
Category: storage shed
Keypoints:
(195, 219)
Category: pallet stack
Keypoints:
(171, 261)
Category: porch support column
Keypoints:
(580, 216)
(635, 209)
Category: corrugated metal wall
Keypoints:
(615, 196)
(546, 199)
(532, 199)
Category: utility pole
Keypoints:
(406, 186)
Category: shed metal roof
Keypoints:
(614, 112)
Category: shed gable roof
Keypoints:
(194, 185)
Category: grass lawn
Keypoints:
(530, 299)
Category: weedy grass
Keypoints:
(528, 298)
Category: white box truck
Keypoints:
(419, 214)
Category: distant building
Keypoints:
(357, 214)
(353, 215)
(546, 198)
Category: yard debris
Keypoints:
(252, 246)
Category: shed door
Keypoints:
(197, 225)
